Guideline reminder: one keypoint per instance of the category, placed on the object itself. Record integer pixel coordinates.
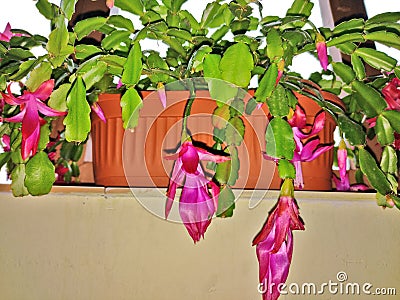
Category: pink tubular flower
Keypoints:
(31, 104)
(98, 111)
(322, 51)
(342, 159)
(274, 243)
(309, 150)
(6, 143)
(196, 205)
(6, 35)
(161, 94)
(343, 185)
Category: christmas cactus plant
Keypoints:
(228, 49)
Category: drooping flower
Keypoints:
(308, 146)
(6, 35)
(342, 159)
(30, 105)
(6, 143)
(98, 111)
(196, 204)
(322, 51)
(161, 94)
(343, 185)
(392, 94)
(274, 243)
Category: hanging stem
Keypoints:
(192, 95)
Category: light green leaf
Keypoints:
(300, 7)
(350, 26)
(47, 9)
(18, 181)
(228, 172)
(345, 38)
(274, 45)
(345, 72)
(286, 169)
(235, 131)
(77, 121)
(386, 38)
(44, 136)
(369, 99)
(115, 39)
(220, 116)
(92, 72)
(211, 66)
(132, 6)
(394, 118)
(86, 26)
(58, 99)
(131, 103)
(58, 38)
(85, 51)
(384, 131)
(68, 7)
(376, 59)
(278, 102)
(38, 76)
(39, 174)
(156, 64)
(226, 203)
(279, 139)
(385, 17)
(133, 66)
(235, 70)
(389, 160)
(121, 22)
(267, 83)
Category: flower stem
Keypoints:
(192, 95)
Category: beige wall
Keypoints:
(93, 245)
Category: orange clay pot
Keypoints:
(139, 159)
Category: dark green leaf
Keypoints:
(345, 72)
(342, 39)
(121, 22)
(385, 17)
(115, 39)
(234, 131)
(279, 139)
(358, 66)
(300, 7)
(386, 38)
(4, 158)
(39, 174)
(349, 26)
(47, 9)
(353, 131)
(375, 175)
(369, 99)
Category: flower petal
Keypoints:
(44, 91)
(47, 111)
(30, 131)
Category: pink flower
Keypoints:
(161, 94)
(110, 3)
(343, 185)
(6, 143)
(196, 205)
(342, 159)
(392, 94)
(6, 35)
(322, 51)
(274, 244)
(98, 111)
(311, 148)
(31, 104)
(120, 84)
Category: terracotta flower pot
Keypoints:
(136, 158)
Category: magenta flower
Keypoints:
(342, 159)
(120, 84)
(311, 148)
(274, 244)
(30, 105)
(6, 35)
(343, 184)
(98, 111)
(196, 205)
(322, 51)
(6, 143)
(161, 94)
(392, 94)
